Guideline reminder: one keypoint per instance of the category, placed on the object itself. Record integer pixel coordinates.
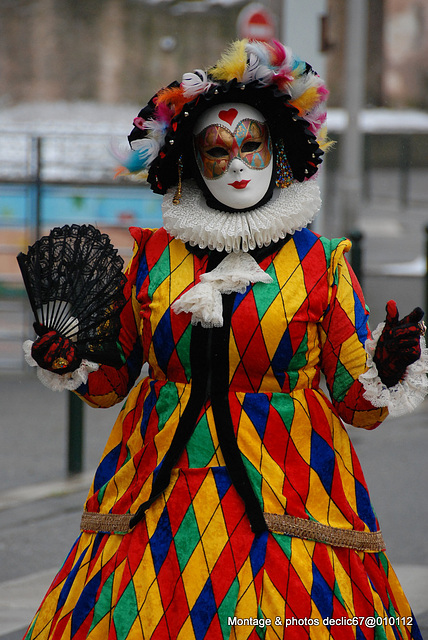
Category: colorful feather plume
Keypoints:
(259, 63)
(273, 63)
(144, 150)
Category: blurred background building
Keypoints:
(116, 51)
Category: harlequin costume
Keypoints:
(229, 501)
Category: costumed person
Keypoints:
(229, 502)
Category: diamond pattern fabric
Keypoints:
(196, 565)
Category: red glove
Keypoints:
(54, 352)
(398, 345)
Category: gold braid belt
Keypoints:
(290, 525)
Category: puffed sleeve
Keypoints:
(108, 386)
(343, 331)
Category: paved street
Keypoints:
(40, 508)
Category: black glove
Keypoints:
(54, 352)
(399, 344)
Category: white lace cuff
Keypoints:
(55, 381)
(405, 396)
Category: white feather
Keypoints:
(147, 149)
(264, 74)
(299, 86)
(157, 127)
(195, 83)
(258, 49)
(249, 74)
(256, 71)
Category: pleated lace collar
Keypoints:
(192, 221)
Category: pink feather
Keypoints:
(139, 122)
(284, 76)
(323, 92)
(163, 113)
(280, 53)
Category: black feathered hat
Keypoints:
(267, 76)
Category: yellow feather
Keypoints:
(307, 101)
(324, 142)
(328, 145)
(232, 63)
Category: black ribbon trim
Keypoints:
(223, 418)
(209, 358)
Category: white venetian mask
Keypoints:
(233, 152)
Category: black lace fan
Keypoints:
(74, 282)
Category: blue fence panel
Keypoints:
(63, 204)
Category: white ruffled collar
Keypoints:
(192, 221)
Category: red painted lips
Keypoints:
(241, 184)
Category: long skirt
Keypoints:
(193, 569)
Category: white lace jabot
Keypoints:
(193, 221)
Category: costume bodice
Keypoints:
(259, 372)
(274, 341)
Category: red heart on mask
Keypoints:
(228, 116)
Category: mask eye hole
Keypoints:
(216, 152)
(250, 146)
